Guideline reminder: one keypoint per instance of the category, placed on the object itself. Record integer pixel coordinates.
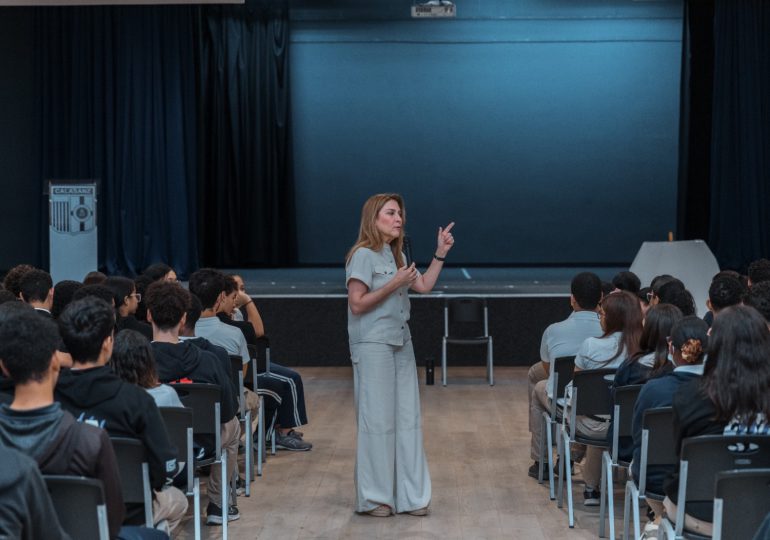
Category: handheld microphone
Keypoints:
(408, 250)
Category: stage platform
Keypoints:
(305, 312)
(473, 281)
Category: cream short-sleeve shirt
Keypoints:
(387, 322)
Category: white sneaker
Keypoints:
(650, 530)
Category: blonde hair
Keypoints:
(369, 236)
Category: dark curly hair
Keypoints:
(132, 359)
(167, 302)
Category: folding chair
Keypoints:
(244, 417)
(467, 310)
(205, 402)
(179, 426)
(80, 505)
(658, 450)
(701, 459)
(134, 469)
(260, 363)
(622, 420)
(594, 400)
(735, 514)
(563, 368)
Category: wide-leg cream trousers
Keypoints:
(390, 461)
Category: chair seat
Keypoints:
(603, 443)
(466, 341)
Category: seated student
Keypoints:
(94, 394)
(209, 285)
(35, 425)
(187, 333)
(730, 398)
(62, 295)
(687, 347)
(37, 290)
(98, 291)
(759, 299)
(12, 280)
(160, 271)
(94, 277)
(652, 357)
(132, 360)
(621, 320)
(27, 511)
(562, 338)
(126, 303)
(725, 291)
(627, 281)
(167, 303)
(759, 271)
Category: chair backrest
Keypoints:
(660, 436)
(204, 399)
(178, 421)
(703, 457)
(80, 506)
(741, 502)
(134, 470)
(466, 309)
(593, 392)
(236, 376)
(625, 399)
(563, 368)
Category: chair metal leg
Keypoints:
(627, 512)
(560, 500)
(248, 463)
(260, 435)
(197, 507)
(607, 495)
(490, 364)
(568, 473)
(541, 457)
(443, 362)
(225, 489)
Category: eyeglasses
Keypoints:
(650, 296)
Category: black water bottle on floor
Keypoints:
(429, 371)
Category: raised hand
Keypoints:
(445, 240)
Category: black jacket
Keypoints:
(131, 323)
(97, 396)
(184, 360)
(26, 512)
(60, 445)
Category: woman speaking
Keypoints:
(391, 470)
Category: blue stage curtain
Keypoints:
(118, 90)
(740, 143)
(246, 192)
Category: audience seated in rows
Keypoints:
(687, 348)
(36, 425)
(167, 304)
(731, 398)
(209, 286)
(94, 394)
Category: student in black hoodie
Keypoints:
(95, 395)
(35, 425)
(167, 304)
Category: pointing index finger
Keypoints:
(449, 227)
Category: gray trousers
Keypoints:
(390, 461)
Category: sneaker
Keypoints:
(534, 470)
(591, 497)
(419, 512)
(214, 514)
(240, 486)
(650, 530)
(295, 433)
(284, 442)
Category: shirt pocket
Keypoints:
(382, 273)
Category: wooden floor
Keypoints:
(477, 444)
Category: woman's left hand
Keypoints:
(445, 240)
